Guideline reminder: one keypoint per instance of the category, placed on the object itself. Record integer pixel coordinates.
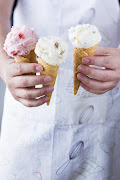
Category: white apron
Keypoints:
(76, 137)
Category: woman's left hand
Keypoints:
(99, 81)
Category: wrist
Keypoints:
(2, 70)
(4, 61)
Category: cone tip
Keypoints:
(48, 103)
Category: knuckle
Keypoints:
(32, 68)
(40, 93)
(24, 82)
(106, 51)
(41, 79)
(37, 80)
(19, 68)
(86, 80)
(106, 60)
(88, 71)
(43, 91)
(27, 95)
(92, 60)
(105, 76)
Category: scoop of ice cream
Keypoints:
(52, 50)
(20, 41)
(84, 36)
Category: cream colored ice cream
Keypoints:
(85, 39)
(52, 50)
(84, 36)
(51, 53)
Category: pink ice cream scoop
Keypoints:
(20, 41)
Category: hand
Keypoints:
(99, 81)
(21, 86)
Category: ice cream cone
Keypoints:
(30, 58)
(51, 71)
(78, 54)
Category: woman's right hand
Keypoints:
(21, 85)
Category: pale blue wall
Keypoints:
(2, 92)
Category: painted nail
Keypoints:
(47, 79)
(50, 89)
(81, 68)
(46, 99)
(38, 68)
(85, 60)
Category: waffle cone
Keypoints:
(30, 58)
(78, 54)
(51, 71)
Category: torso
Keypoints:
(47, 134)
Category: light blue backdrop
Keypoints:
(2, 92)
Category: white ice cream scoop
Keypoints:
(52, 50)
(84, 36)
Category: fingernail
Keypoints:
(38, 68)
(85, 60)
(50, 89)
(81, 68)
(47, 79)
(46, 99)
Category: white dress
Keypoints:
(76, 137)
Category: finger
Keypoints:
(94, 84)
(34, 102)
(17, 69)
(32, 93)
(106, 51)
(92, 90)
(30, 81)
(104, 61)
(98, 74)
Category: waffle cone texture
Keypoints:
(78, 54)
(30, 58)
(51, 71)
